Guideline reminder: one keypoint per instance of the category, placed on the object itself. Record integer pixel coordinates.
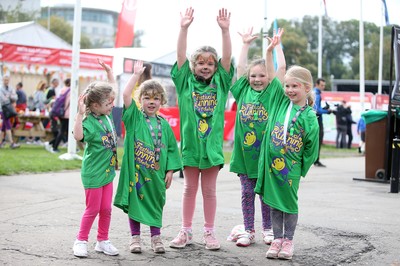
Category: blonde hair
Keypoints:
(201, 50)
(98, 92)
(255, 62)
(303, 76)
(152, 88)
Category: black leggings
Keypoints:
(283, 224)
(63, 131)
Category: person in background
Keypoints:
(361, 128)
(39, 97)
(94, 126)
(350, 123)
(202, 84)
(151, 156)
(251, 94)
(22, 101)
(63, 132)
(318, 89)
(341, 114)
(7, 95)
(51, 90)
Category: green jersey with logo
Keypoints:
(287, 152)
(201, 107)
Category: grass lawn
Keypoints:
(35, 159)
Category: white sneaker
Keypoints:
(80, 249)
(246, 239)
(106, 247)
(48, 147)
(268, 236)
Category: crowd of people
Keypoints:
(40, 102)
(277, 122)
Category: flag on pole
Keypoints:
(386, 12)
(324, 7)
(126, 19)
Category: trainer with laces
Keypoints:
(184, 237)
(287, 250)
(210, 241)
(106, 247)
(246, 239)
(80, 249)
(135, 245)
(268, 236)
(157, 244)
(274, 249)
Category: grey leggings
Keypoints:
(283, 224)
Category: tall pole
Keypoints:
(362, 74)
(265, 31)
(48, 17)
(320, 43)
(73, 106)
(381, 50)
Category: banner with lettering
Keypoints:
(34, 55)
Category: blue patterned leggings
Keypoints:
(248, 209)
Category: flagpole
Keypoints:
(381, 51)
(320, 44)
(71, 154)
(265, 30)
(362, 74)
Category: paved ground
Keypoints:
(342, 222)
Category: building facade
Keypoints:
(99, 25)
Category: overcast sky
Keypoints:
(159, 19)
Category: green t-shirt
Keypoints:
(201, 108)
(98, 163)
(281, 166)
(141, 188)
(251, 119)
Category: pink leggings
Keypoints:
(98, 202)
(208, 189)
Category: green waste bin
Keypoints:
(375, 143)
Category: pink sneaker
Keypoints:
(287, 250)
(182, 239)
(274, 249)
(211, 241)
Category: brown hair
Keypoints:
(97, 92)
(151, 88)
(201, 50)
(303, 76)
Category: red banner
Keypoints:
(125, 29)
(48, 56)
(171, 114)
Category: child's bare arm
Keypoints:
(224, 20)
(186, 20)
(168, 178)
(130, 86)
(78, 128)
(247, 39)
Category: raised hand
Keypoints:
(187, 18)
(106, 67)
(138, 68)
(248, 37)
(224, 18)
